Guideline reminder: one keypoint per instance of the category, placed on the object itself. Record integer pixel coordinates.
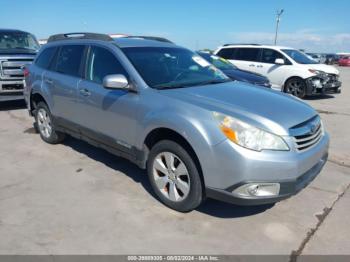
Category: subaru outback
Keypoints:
(197, 133)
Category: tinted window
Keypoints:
(172, 67)
(69, 59)
(298, 56)
(247, 54)
(102, 62)
(18, 41)
(45, 57)
(226, 53)
(269, 56)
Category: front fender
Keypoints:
(202, 139)
(190, 128)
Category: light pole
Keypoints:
(279, 13)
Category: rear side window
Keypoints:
(101, 63)
(45, 57)
(247, 54)
(269, 56)
(69, 59)
(226, 53)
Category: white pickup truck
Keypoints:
(17, 48)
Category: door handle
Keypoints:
(49, 81)
(251, 65)
(260, 66)
(84, 92)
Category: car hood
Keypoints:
(325, 68)
(268, 109)
(245, 76)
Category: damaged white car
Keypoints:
(288, 69)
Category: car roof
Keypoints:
(3, 30)
(123, 42)
(255, 46)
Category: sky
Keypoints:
(313, 25)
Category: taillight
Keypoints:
(25, 72)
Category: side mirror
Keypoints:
(279, 61)
(116, 82)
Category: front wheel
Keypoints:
(174, 176)
(296, 86)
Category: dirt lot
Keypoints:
(76, 199)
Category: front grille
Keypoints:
(331, 78)
(308, 134)
(12, 87)
(11, 68)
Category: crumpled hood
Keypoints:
(325, 68)
(264, 108)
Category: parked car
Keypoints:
(17, 48)
(320, 58)
(344, 61)
(288, 69)
(233, 72)
(332, 59)
(198, 133)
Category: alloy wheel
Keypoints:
(171, 176)
(295, 87)
(44, 123)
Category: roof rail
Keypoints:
(240, 44)
(155, 38)
(73, 36)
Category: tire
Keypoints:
(174, 176)
(44, 125)
(296, 86)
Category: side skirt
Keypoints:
(99, 140)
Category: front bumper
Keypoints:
(288, 188)
(231, 166)
(11, 86)
(322, 85)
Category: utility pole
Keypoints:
(279, 13)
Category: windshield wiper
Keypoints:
(24, 48)
(168, 86)
(172, 86)
(214, 82)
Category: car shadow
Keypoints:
(221, 209)
(114, 162)
(319, 97)
(210, 207)
(12, 105)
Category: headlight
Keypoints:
(249, 136)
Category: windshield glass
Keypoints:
(18, 40)
(298, 56)
(218, 62)
(168, 67)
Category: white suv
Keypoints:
(288, 69)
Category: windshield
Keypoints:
(218, 62)
(164, 67)
(18, 40)
(298, 56)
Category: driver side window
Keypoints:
(269, 56)
(101, 63)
